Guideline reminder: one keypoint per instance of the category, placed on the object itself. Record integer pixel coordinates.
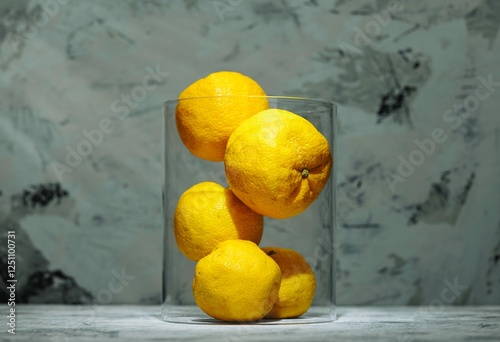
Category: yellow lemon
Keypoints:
(298, 283)
(236, 282)
(277, 163)
(210, 109)
(206, 214)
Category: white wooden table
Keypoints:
(143, 323)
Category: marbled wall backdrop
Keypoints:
(419, 148)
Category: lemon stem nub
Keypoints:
(305, 173)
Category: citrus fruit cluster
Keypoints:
(276, 164)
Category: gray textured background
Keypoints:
(66, 65)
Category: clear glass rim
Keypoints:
(274, 97)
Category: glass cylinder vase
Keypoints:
(310, 233)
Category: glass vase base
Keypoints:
(193, 315)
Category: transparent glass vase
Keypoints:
(310, 233)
